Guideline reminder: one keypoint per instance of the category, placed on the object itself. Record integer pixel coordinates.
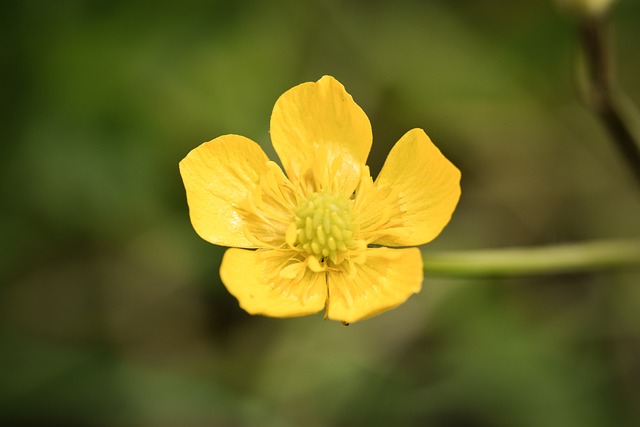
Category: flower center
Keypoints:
(324, 225)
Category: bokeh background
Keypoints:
(111, 308)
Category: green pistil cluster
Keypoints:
(324, 225)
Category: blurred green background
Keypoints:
(111, 309)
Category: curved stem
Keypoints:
(600, 93)
(566, 258)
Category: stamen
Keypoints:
(324, 226)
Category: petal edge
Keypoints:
(255, 279)
(218, 175)
(424, 186)
(318, 127)
(387, 279)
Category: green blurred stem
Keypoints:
(600, 94)
(566, 258)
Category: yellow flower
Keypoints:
(319, 229)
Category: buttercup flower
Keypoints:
(321, 234)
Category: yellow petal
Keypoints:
(318, 127)
(265, 282)
(422, 187)
(217, 176)
(385, 280)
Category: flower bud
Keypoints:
(585, 8)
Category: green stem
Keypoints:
(600, 94)
(566, 258)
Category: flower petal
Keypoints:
(267, 282)
(318, 127)
(217, 176)
(385, 280)
(422, 188)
